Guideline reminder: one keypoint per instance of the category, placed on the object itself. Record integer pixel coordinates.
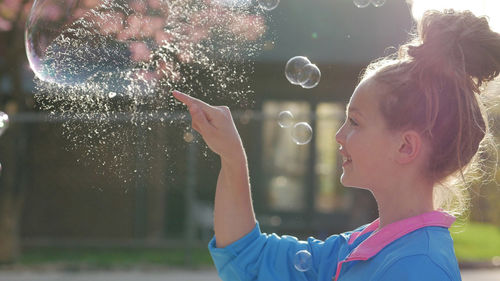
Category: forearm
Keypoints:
(233, 215)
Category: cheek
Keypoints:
(357, 143)
(364, 151)
(378, 155)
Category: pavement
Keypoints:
(173, 275)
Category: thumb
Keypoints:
(199, 119)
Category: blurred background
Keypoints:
(60, 209)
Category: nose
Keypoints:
(339, 136)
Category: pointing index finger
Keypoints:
(189, 101)
(185, 99)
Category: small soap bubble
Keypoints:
(188, 137)
(312, 74)
(285, 119)
(294, 69)
(268, 4)
(111, 95)
(378, 3)
(302, 261)
(302, 133)
(4, 122)
(362, 3)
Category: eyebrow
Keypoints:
(354, 109)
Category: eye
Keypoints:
(352, 122)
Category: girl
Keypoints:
(414, 123)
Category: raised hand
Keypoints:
(233, 213)
(215, 124)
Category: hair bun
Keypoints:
(458, 43)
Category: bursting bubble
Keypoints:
(302, 133)
(69, 41)
(294, 70)
(268, 4)
(109, 62)
(378, 3)
(302, 261)
(361, 3)
(312, 74)
(4, 122)
(285, 119)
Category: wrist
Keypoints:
(234, 158)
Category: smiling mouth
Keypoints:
(346, 161)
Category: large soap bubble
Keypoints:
(70, 41)
(300, 71)
(294, 69)
(312, 76)
(113, 42)
(107, 64)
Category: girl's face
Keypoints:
(367, 147)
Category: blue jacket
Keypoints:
(414, 249)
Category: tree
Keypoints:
(13, 14)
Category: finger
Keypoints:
(199, 120)
(185, 99)
(189, 101)
(209, 111)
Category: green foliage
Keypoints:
(476, 241)
(113, 257)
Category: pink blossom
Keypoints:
(90, 3)
(111, 23)
(149, 25)
(12, 5)
(78, 13)
(139, 51)
(154, 4)
(5, 25)
(138, 6)
(52, 12)
(161, 37)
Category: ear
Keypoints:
(409, 147)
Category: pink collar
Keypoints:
(380, 239)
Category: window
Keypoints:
(284, 162)
(285, 165)
(330, 195)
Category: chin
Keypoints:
(347, 183)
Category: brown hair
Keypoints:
(434, 85)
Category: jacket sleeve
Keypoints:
(416, 268)
(261, 257)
